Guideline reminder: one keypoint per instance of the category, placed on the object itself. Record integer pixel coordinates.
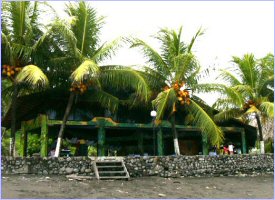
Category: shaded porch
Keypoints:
(136, 138)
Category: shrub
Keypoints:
(92, 151)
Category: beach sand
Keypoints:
(53, 187)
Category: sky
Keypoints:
(232, 28)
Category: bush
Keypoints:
(33, 144)
(269, 146)
(5, 145)
(73, 150)
(92, 151)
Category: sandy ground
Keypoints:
(53, 187)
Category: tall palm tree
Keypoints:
(249, 91)
(172, 71)
(246, 92)
(85, 53)
(21, 38)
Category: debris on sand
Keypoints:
(120, 191)
(79, 178)
(162, 195)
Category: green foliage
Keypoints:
(66, 144)
(92, 151)
(5, 142)
(269, 146)
(33, 144)
(33, 76)
(248, 90)
(22, 40)
(72, 150)
(175, 62)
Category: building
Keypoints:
(130, 131)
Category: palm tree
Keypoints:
(171, 73)
(249, 91)
(83, 57)
(21, 38)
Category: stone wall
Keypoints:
(178, 166)
(45, 166)
(166, 166)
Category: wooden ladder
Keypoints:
(110, 169)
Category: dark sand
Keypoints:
(51, 187)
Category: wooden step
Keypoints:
(110, 172)
(113, 177)
(108, 161)
(110, 169)
(110, 166)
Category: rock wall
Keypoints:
(178, 166)
(166, 166)
(45, 166)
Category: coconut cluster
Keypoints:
(79, 88)
(249, 104)
(182, 94)
(10, 71)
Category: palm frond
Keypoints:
(105, 99)
(171, 45)
(107, 50)
(248, 66)
(33, 76)
(6, 89)
(193, 76)
(8, 49)
(235, 96)
(86, 71)
(229, 77)
(245, 90)
(22, 51)
(225, 104)
(164, 101)
(62, 28)
(86, 28)
(205, 123)
(155, 80)
(184, 65)
(198, 33)
(153, 57)
(267, 108)
(210, 87)
(228, 114)
(125, 77)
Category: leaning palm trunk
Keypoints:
(13, 120)
(62, 128)
(260, 133)
(175, 135)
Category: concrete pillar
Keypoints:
(244, 149)
(160, 142)
(44, 136)
(101, 137)
(205, 144)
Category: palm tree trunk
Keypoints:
(62, 127)
(175, 135)
(260, 133)
(13, 120)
